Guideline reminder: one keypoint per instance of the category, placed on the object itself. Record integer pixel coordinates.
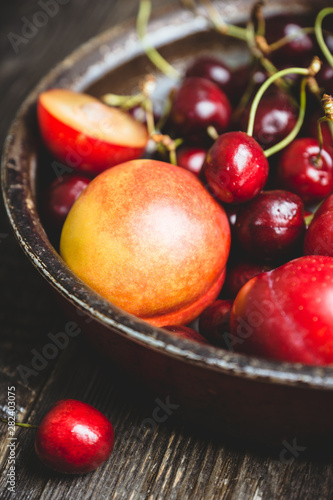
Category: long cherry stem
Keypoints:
(289, 38)
(319, 33)
(151, 52)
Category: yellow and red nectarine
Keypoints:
(148, 237)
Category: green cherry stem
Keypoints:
(123, 101)
(311, 71)
(20, 424)
(319, 33)
(327, 103)
(320, 138)
(264, 87)
(298, 125)
(289, 38)
(151, 52)
(221, 26)
(258, 17)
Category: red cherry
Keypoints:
(275, 118)
(319, 236)
(60, 196)
(185, 332)
(236, 168)
(74, 437)
(191, 159)
(215, 70)
(299, 173)
(301, 48)
(286, 314)
(271, 226)
(214, 322)
(198, 104)
(239, 274)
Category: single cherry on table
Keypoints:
(74, 437)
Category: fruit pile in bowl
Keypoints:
(192, 209)
(153, 239)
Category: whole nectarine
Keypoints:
(148, 237)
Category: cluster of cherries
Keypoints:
(218, 128)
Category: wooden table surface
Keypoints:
(172, 462)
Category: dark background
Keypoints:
(174, 461)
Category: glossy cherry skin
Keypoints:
(239, 274)
(275, 118)
(60, 196)
(298, 172)
(286, 314)
(214, 322)
(300, 49)
(184, 332)
(271, 226)
(215, 70)
(319, 236)
(191, 159)
(197, 104)
(74, 438)
(235, 168)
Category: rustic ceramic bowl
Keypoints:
(238, 395)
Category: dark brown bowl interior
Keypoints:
(243, 396)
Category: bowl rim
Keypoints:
(18, 173)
